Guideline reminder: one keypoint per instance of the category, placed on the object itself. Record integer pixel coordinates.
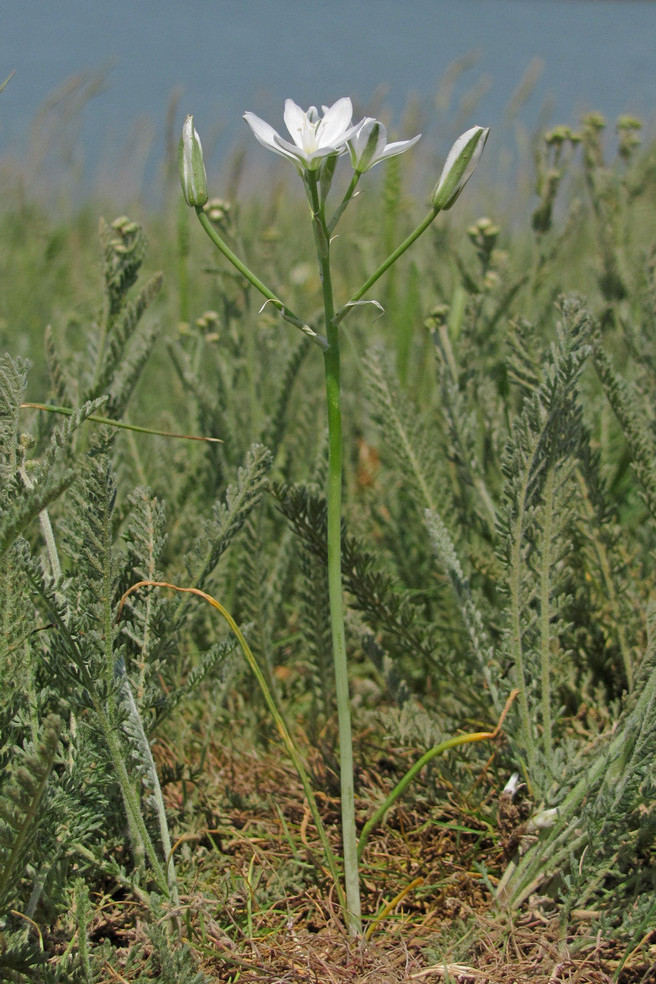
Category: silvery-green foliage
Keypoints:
(83, 690)
(416, 440)
(402, 629)
(406, 433)
(315, 629)
(23, 789)
(600, 843)
(30, 482)
(635, 414)
(155, 958)
(277, 424)
(253, 575)
(486, 659)
(119, 343)
(229, 515)
(535, 518)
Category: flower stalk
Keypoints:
(331, 358)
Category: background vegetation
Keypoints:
(499, 535)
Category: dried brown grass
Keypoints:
(262, 909)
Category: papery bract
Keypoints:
(369, 145)
(314, 137)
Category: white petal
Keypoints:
(262, 131)
(335, 123)
(289, 150)
(398, 147)
(296, 121)
(365, 129)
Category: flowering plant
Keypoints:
(317, 142)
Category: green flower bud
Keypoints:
(191, 166)
(459, 167)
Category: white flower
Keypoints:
(512, 785)
(459, 166)
(314, 137)
(369, 145)
(542, 820)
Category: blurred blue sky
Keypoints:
(224, 56)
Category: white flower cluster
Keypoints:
(316, 139)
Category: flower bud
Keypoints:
(369, 146)
(366, 144)
(191, 166)
(459, 166)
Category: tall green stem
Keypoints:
(334, 549)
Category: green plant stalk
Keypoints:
(609, 584)
(350, 191)
(81, 894)
(400, 787)
(140, 839)
(287, 314)
(12, 865)
(386, 264)
(334, 552)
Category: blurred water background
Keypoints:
(101, 88)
